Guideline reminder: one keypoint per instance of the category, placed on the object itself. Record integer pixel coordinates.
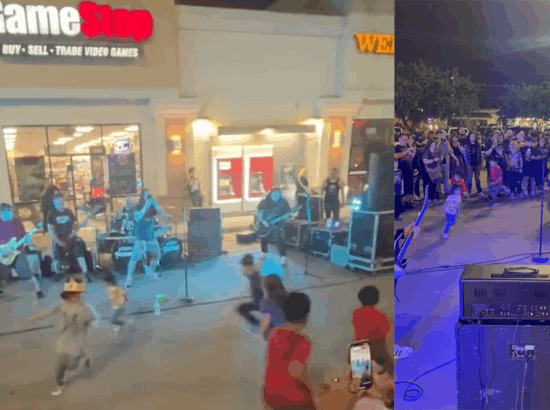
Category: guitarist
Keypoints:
(65, 243)
(28, 260)
(273, 206)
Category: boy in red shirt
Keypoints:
(368, 322)
(496, 185)
(457, 180)
(288, 353)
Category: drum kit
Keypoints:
(119, 242)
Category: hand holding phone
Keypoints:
(361, 364)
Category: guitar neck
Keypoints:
(22, 240)
(411, 234)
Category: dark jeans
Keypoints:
(332, 209)
(398, 206)
(474, 171)
(513, 180)
(245, 311)
(76, 249)
(278, 236)
(196, 199)
(408, 179)
(115, 319)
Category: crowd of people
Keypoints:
(516, 165)
(283, 317)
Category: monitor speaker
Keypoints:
(204, 231)
(379, 195)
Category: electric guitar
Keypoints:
(264, 230)
(67, 244)
(9, 251)
(400, 251)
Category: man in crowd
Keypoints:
(63, 234)
(27, 263)
(405, 153)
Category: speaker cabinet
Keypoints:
(204, 231)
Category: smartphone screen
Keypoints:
(361, 363)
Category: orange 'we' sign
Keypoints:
(378, 43)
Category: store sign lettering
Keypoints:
(91, 20)
(377, 43)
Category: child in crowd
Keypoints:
(369, 322)
(117, 298)
(272, 306)
(458, 180)
(76, 318)
(497, 182)
(252, 272)
(452, 209)
(399, 190)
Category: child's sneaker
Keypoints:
(252, 329)
(512, 196)
(398, 219)
(57, 391)
(533, 193)
(128, 284)
(481, 195)
(401, 353)
(494, 204)
(445, 236)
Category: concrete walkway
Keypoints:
(195, 357)
(429, 292)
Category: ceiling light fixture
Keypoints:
(10, 130)
(84, 129)
(132, 128)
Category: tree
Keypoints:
(422, 91)
(526, 101)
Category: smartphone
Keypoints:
(361, 363)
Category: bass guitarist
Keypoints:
(273, 206)
(26, 262)
(64, 240)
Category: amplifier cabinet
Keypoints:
(320, 242)
(204, 231)
(487, 366)
(294, 233)
(371, 240)
(489, 294)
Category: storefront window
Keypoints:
(87, 163)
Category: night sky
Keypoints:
(496, 42)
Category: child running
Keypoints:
(117, 298)
(72, 346)
(458, 180)
(452, 209)
(497, 183)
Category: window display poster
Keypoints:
(261, 176)
(31, 178)
(98, 178)
(122, 174)
(230, 171)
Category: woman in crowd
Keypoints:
(434, 175)
(458, 151)
(514, 171)
(473, 160)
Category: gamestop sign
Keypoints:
(91, 33)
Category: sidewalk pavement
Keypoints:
(429, 307)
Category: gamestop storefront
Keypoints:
(75, 101)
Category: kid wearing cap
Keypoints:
(75, 320)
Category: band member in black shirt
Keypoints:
(60, 228)
(194, 189)
(302, 189)
(332, 192)
(273, 206)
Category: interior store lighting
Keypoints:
(77, 134)
(9, 137)
(176, 139)
(337, 139)
(268, 132)
(132, 128)
(319, 124)
(84, 129)
(10, 130)
(204, 128)
(117, 134)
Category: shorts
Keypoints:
(141, 248)
(77, 249)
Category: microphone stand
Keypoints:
(539, 258)
(186, 300)
(307, 247)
